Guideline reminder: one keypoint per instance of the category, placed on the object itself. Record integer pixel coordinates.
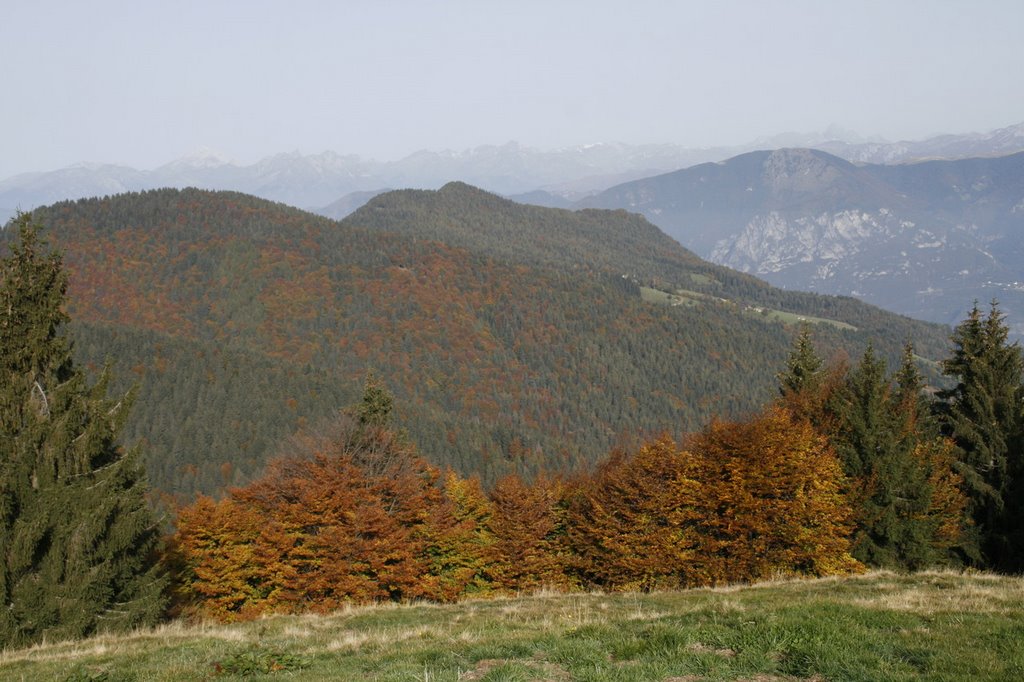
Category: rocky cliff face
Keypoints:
(773, 243)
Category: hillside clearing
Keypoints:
(881, 626)
(685, 297)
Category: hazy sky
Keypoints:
(142, 83)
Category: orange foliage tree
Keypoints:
(528, 524)
(744, 501)
(215, 559)
(348, 524)
(632, 525)
(356, 516)
(771, 500)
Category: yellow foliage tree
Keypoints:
(771, 501)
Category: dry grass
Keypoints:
(874, 626)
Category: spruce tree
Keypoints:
(982, 413)
(803, 368)
(78, 539)
(895, 465)
(805, 386)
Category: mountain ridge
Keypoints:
(245, 320)
(924, 239)
(315, 181)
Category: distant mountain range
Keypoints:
(924, 239)
(330, 183)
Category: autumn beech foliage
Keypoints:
(743, 501)
(355, 515)
(529, 529)
(770, 501)
(214, 557)
(366, 519)
(350, 523)
(633, 524)
(460, 542)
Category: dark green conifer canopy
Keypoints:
(78, 539)
(983, 414)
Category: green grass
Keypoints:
(691, 298)
(699, 278)
(793, 318)
(883, 626)
(660, 297)
(680, 297)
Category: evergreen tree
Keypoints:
(803, 368)
(982, 413)
(806, 387)
(78, 540)
(377, 405)
(907, 506)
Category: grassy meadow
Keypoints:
(881, 626)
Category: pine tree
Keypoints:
(78, 539)
(982, 413)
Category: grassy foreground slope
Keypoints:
(883, 626)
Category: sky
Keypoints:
(144, 82)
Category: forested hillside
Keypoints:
(610, 241)
(514, 338)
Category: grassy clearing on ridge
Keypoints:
(882, 626)
(686, 297)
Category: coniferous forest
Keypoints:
(511, 398)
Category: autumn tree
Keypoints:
(770, 501)
(78, 539)
(741, 501)
(460, 542)
(348, 517)
(632, 524)
(528, 524)
(217, 559)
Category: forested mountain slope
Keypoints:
(532, 338)
(611, 242)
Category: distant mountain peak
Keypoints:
(921, 238)
(805, 169)
(203, 157)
